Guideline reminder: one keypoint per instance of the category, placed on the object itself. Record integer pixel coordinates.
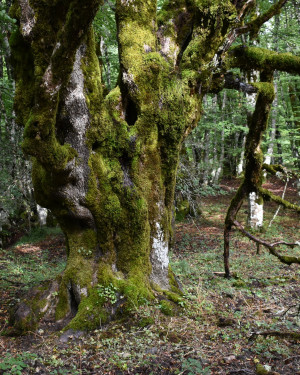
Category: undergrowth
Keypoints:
(218, 330)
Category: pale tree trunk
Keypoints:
(256, 210)
(107, 67)
(206, 169)
(218, 160)
(219, 171)
(42, 213)
(240, 165)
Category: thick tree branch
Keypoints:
(78, 20)
(254, 26)
(254, 58)
(254, 158)
(177, 16)
(242, 8)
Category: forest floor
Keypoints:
(225, 326)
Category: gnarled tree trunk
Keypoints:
(105, 164)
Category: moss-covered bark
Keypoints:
(105, 164)
(260, 58)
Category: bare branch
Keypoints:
(254, 26)
(242, 9)
(271, 246)
(282, 197)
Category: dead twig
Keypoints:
(288, 309)
(278, 209)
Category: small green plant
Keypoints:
(183, 267)
(85, 252)
(15, 365)
(270, 346)
(195, 367)
(107, 293)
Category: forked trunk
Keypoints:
(105, 164)
(113, 200)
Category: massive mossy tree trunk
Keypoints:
(105, 163)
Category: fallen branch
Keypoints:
(271, 246)
(288, 309)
